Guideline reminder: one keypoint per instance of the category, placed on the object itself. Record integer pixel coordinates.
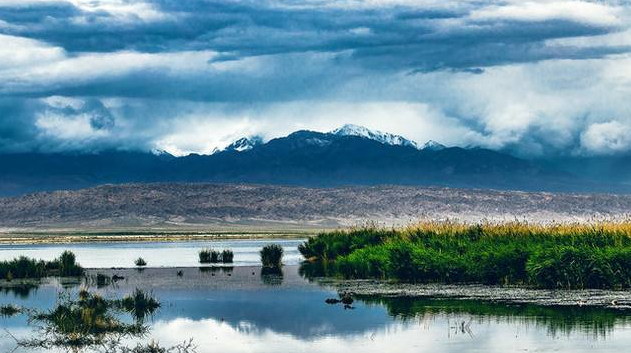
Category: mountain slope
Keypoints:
(303, 158)
(176, 204)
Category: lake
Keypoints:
(157, 254)
(239, 309)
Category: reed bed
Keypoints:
(23, 267)
(272, 256)
(570, 256)
(209, 255)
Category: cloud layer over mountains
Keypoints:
(536, 77)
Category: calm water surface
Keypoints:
(157, 254)
(241, 310)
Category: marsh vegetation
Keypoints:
(209, 255)
(90, 320)
(272, 256)
(140, 262)
(573, 256)
(26, 268)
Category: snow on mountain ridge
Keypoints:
(383, 137)
(433, 145)
(244, 144)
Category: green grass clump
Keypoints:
(227, 256)
(272, 256)
(554, 256)
(205, 255)
(140, 262)
(24, 267)
(209, 255)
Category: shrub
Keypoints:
(227, 256)
(204, 256)
(24, 267)
(140, 262)
(68, 266)
(272, 256)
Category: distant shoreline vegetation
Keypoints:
(563, 256)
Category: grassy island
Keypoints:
(569, 256)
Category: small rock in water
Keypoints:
(180, 273)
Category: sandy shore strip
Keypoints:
(57, 237)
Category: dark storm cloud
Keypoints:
(248, 28)
(185, 54)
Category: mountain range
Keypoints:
(348, 156)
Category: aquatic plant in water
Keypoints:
(140, 304)
(23, 267)
(9, 310)
(209, 255)
(89, 320)
(140, 262)
(272, 256)
(227, 256)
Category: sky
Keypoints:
(538, 78)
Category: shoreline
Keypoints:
(70, 238)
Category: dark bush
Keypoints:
(140, 262)
(227, 256)
(272, 256)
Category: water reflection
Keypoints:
(272, 276)
(245, 309)
(20, 290)
(556, 320)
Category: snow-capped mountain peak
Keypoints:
(244, 144)
(383, 137)
(433, 145)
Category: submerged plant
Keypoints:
(89, 320)
(140, 304)
(9, 310)
(272, 256)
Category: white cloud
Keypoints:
(67, 127)
(606, 137)
(543, 10)
(20, 53)
(118, 10)
(38, 65)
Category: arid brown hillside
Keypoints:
(219, 204)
